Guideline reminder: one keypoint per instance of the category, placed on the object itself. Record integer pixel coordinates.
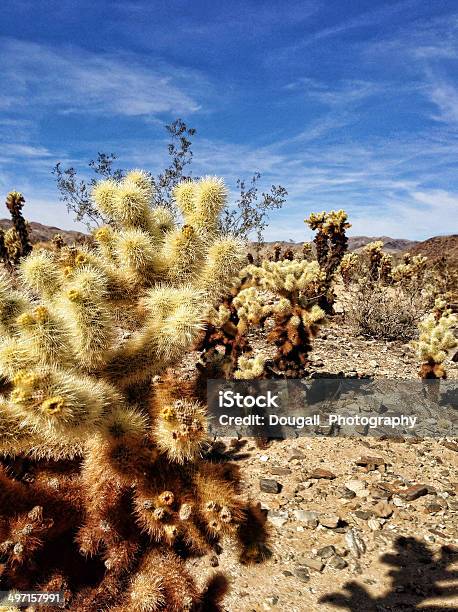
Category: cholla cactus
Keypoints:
(82, 334)
(348, 267)
(14, 243)
(436, 340)
(296, 320)
(14, 202)
(412, 267)
(331, 244)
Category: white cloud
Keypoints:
(71, 80)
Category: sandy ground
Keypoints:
(369, 545)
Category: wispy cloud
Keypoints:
(71, 80)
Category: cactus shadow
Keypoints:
(416, 576)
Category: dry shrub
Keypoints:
(388, 313)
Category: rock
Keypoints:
(315, 564)
(382, 509)
(302, 573)
(453, 446)
(296, 454)
(378, 493)
(326, 552)
(345, 493)
(337, 562)
(307, 516)
(413, 492)
(374, 524)
(331, 521)
(355, 543)
(371, 463)
(276, 470)
(355, 485)
(320, 473)
(264, 458)
(278, 517)
(432, 508)
(364, 515)
(269, 486)
(397, 501)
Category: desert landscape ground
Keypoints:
(105, 455)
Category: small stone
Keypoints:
(364, 515)
(378, 493)
(268, 485)
(374, 524)
(368, 460)
(302, 573)
(397, 501)
(314, 564)
(331, 521)
(287, 573)
(383, 509)
(413, 492)
(309, 517)
(345, 493)
(320, 473)
(277, 517)
(355, 543)
(276, 470)
(264, 458)
(337, 562)
(296, 454)
(355, 485)
(326, 552)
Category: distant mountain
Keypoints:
(437, 247)
(391, 245)
(44, 233)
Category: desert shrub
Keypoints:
(389, 313)
(246, 217)
(113, 482)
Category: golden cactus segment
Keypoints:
(224, 256)
(184, 194)
(41, 274)
(250, 368)
(163, 219)
(181, 431)
(103, 195)
(135, 250)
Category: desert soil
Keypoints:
(395, 545)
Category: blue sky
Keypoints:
(348, 104)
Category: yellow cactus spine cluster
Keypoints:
(436, 340)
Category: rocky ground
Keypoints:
(356, 524)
